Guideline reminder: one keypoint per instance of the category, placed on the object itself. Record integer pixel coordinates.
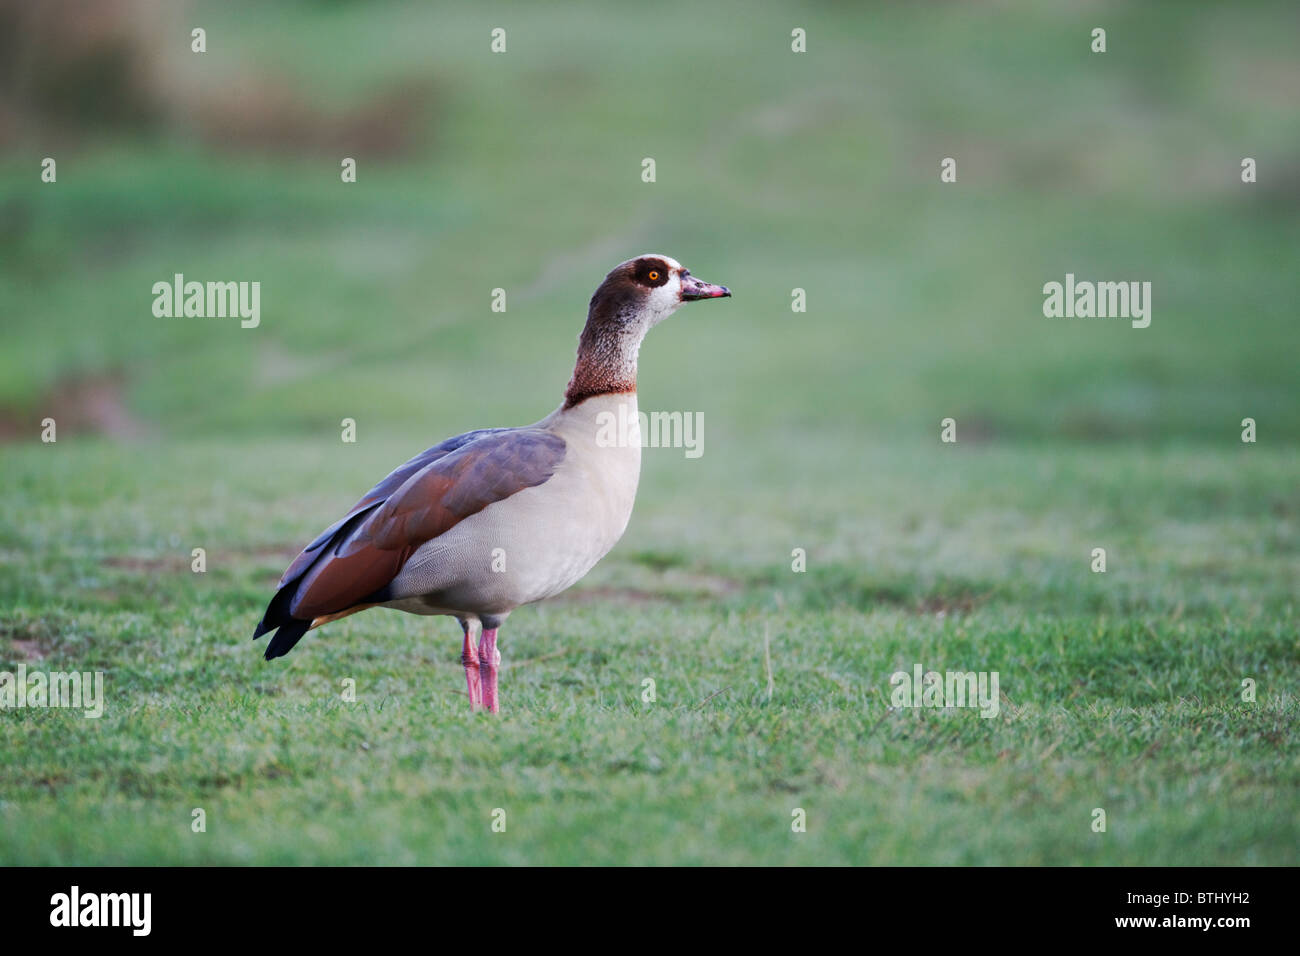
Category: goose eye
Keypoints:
(654, 276)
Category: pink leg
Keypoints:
(469, 657)
(489, 659)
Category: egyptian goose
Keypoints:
(499, 517)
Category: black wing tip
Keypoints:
(277, 612)
(290, 632)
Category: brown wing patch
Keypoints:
(377, 496)
(372, 546)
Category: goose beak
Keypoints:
(693, 288)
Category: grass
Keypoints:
(1122, 691)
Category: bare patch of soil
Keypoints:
(94, 404)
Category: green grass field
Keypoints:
(1121, 691)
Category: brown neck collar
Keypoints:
(606, 363)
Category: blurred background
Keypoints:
(775, 170)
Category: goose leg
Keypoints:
(469, 657)
(489, 659)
